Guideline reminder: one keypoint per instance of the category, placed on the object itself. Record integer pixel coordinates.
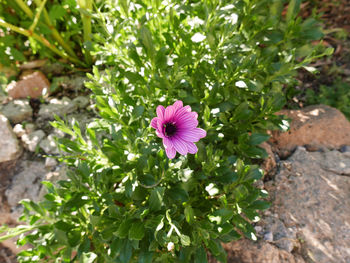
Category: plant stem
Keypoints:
(37, 16)
(87, 5)
(25, 8)
(54, 32)
(41, 39)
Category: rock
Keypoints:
(31, 140)
(29, 127)
(316, 126)
(33, 64)
(81, 101)
(345, 148)
(53, 68)
(9, 146)
(247, 251)
(49, 145)
(50, 162)
(57, 107)
(313, 197)
(277, 232)
(25, 185)
(17, 111)
(33, 85)
(19, 130)
(269, 164)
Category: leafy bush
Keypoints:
(48, 28)
(338, 96)
(124, 200)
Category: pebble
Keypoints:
(31, 140)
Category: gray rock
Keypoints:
(29, 127)
(25, 185)
(31, 140)
(49, 145)
(57, 107)
(345, 148)
(17, 111)
(9, 146)
(81, 101)
(313, 197)
(50, 162)
(19, 130)
(281, 236)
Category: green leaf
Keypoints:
(189, 214)
(87, 257)
(137, 231)
(156, 199)
(145, 257)
(260, 205)
(185, 240)
(258, 138)
(123, 228)
(293, 9)
(200, 256)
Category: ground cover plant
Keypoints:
(127, 197)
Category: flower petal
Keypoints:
(187, 125)
(159, 134)
(182, 110)
(160, 112)
(167, 143)
(170, 152)
(154, 123)
(192, 135)
(178, 105)
(192, 148)
(180, 146)
(169, 113)
(202, 133)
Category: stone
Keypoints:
(313, 197)
(50, 162)
(31, 140)
(30, 127)
(49, 145)
(345, 148)
(279, 234)
(33, 85)
(33, 64)
(81, 101)
(17, 111)
(269, 165)
(9, 147)
(316, 126)
(57, 107)
(247, 251)
(19, 130)
(25, 185)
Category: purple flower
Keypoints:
(177, 126)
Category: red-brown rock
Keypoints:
(33, 85)
(317, 126)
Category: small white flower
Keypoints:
(198, 37)
(171, 246)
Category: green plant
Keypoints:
(41, 23)
(124, 200)
(337, 95)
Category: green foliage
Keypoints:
(337, 96)
(48, 28)
(124, 200)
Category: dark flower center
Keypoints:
(170, 129)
